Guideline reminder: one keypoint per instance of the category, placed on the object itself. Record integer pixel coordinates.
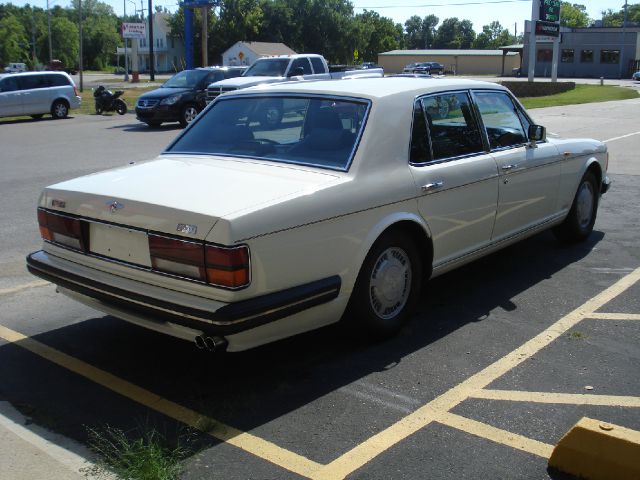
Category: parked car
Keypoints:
(37, 93)
(239, 235)
(182, 97)
(409, 67)
(15, 67)
(636, 76)
(432, 68)
(289, 68)
(58, 66)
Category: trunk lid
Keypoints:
(172, 191)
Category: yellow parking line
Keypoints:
(24, 286)
(257, 446)
(615, 316)
(497, 435)
(560, 398)
(369, 449)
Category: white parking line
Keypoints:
(24, 286)
(620, 137)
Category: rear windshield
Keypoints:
(321, 132)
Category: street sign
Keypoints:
(134, 30)
(548, 29)
(550, 10)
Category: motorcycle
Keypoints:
(108, 101)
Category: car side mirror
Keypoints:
(296, 72)
(536, 133)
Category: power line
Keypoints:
(445, 4)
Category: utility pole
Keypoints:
(80, 55)
(49, 27)
(126, 64)
(203, 36)
(624, 31)
(152, 63)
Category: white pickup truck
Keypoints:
(286, 68)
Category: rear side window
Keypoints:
(59, 81)
(501, 120)
(30, 82)
(301, 62)
(318, 65)
(452, 126)
(420, 148)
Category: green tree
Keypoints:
(420, 32)
(493, 36)
(65, 40)
(615, 19)
(15, 43)
(574, 15)
(376, 34)
(454, 33)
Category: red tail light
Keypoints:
(228, 267)
(178, 257)
(68, 231)
(220, 266)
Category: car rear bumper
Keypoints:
(146, 303)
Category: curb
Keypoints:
(598, 450)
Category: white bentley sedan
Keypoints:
(286, 208)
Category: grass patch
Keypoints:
(577, 335)
(147, 457)
(581, 94)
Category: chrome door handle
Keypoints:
(432, 186)
(506, 168)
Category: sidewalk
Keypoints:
(29, 452)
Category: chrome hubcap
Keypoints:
(189, 114)
(61, 110)
(390, 283)
(584, 204)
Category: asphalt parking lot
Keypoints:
(501, 359)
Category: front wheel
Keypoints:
(188, 115)
(579, 222)
(387, 287)
(121, 107)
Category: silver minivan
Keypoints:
(37, 93)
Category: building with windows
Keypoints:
(168, 49)
(588, 53)
(459, 62)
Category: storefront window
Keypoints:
(586, 56)
(567, 55)
(545, 55)
(609, 56)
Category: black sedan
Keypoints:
(182, 97)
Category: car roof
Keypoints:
(26, 74)
(372, 88)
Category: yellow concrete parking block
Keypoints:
(598, 450)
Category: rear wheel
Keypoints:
(188, 114)
(59, 109)
(582, 216)
(387, 287)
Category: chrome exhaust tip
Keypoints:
(200, 343)
(214, 344)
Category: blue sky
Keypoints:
(508, 12)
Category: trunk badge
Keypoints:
(184, 228)
(114, 206)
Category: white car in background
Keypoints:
(240, 234)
